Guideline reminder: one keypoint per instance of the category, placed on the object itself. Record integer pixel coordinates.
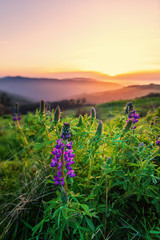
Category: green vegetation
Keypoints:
(115, 193)
(144, 106)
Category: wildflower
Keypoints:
(57, 180)
(16, 115)
(42, 107)
(80, 122)
(128, 107)
(48, 113)
(132, 116)
(63, 157)
(48, 107)
(99, 129)
(57, 114)
(93, 113)
(66, 131)
(158, 142)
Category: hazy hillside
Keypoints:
(10, 99)
(129, 92)
(126, 79)
(53, 89)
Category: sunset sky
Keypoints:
(110, 36)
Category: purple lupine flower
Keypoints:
(68, 166)
(54, 163)
(60, 165)
(19, 116)
(63, 158)
(16, 115)
(57, 180)
(158, 142)
(128, 107)
(14, 118)
(66, 131)
(71, 173)
(69, 145)
(132, 116)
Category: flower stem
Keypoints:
(65, 183)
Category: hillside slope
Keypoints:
(130, 92)
(53, 89)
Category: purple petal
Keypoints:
(62, 183)
(72, 175)
(59, 173)
(56, 182)
(53, 164)
(71, 155)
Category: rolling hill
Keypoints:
(130, 92)
(53, 89)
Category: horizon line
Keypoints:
(156, 71)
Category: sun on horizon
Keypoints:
(111, 37)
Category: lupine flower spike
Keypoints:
(48, 110)
(128, 108)
(66, 131)
(63, 158)
(80, 122)
(99, 129)
(57, 114)
(132, 116)
(93, 113)
(158, 142)
(42, 107)
(16, 115)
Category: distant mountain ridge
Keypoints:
(145, 77)
(7, 100)
(53, 89)
(125, 93)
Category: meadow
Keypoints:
(106, 188)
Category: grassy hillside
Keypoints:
(115, 193)
(125, 93)
(110, 110)
(143, 105)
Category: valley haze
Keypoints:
(67, 85)
(53, 89)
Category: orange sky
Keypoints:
(109, 36)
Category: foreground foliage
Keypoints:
(114, 195)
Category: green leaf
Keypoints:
(86, 209)
(27, 224)
(90, 224)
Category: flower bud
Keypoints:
(42, 106)
(80, 122)
(57, 114)
(66, 131)
(99, 129)
(128, 107)
(16, 111)
(93, 113)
